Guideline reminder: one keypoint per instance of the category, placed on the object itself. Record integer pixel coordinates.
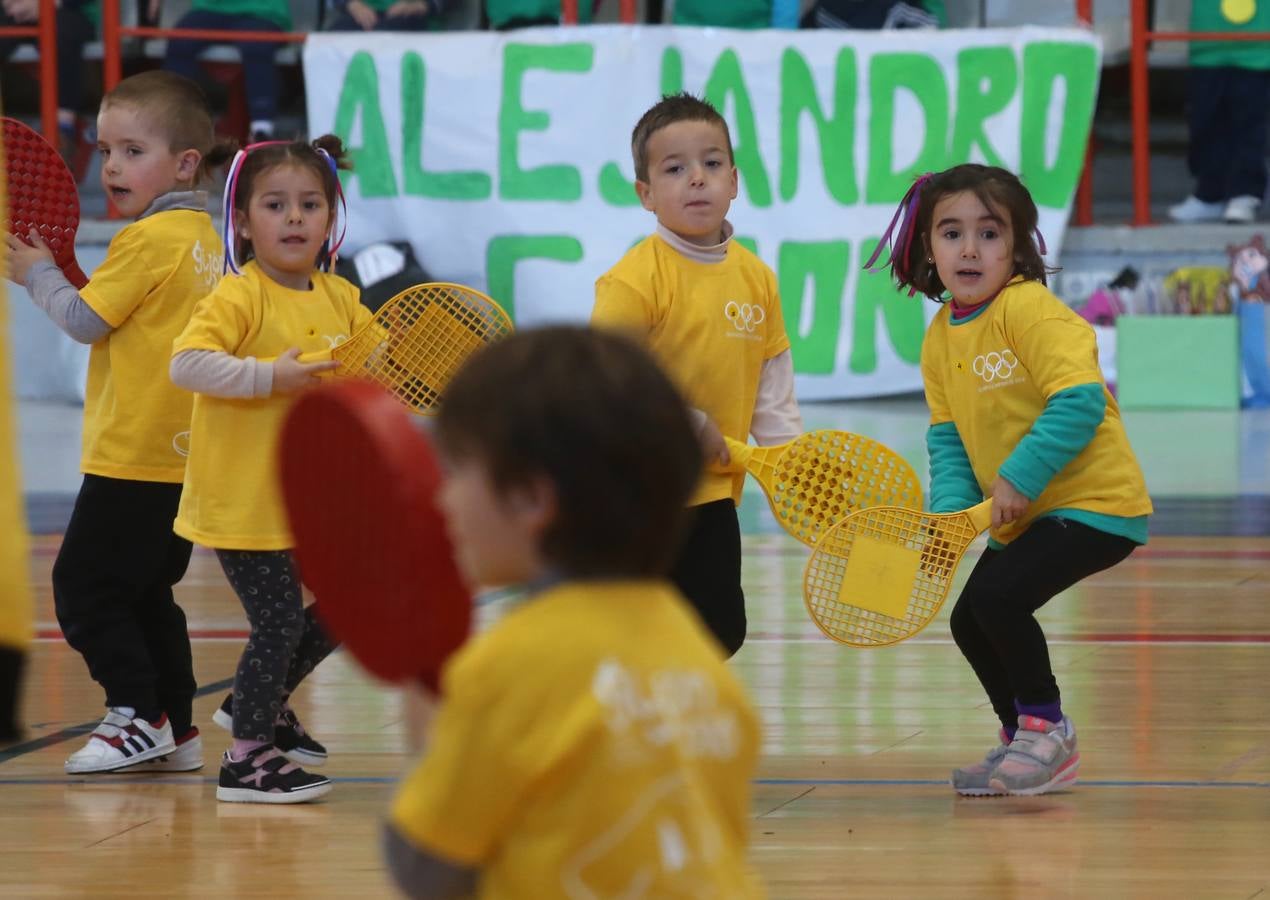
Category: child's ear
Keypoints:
(187, 165)
(537, 503)
(644, 191)
(240, 225)
(736, 183)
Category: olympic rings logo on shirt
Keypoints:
(744, 316)
(995, 366)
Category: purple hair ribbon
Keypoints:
(333, 244)
(905, 219)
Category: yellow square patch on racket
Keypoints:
(888, 569)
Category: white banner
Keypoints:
(505, 157)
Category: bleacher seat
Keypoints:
(306, 15)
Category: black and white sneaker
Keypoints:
(289, 735)
(295, 743)
(187, 757)
(122, 739)
(265, 776)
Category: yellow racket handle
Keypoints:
(739, 452)
(980, 515)
(314, 356)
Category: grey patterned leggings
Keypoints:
(287, 641)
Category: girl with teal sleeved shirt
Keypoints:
(1020, 413)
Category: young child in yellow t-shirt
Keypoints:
(15, 594)
(592, 743)
(113, 578)
(239, 354)
(710, 311)
(1019, 412)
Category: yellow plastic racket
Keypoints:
(418, 340)
(880, 575)
(820, 477)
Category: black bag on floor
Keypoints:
(382, 271)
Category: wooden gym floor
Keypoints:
(1163, 663)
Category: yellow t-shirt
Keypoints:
(712, 326)
(571, 759)
(136, 421)
(15, 592)
(993, 374)
(231, 499)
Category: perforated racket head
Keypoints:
(821, 477)
(360, 482)
(881, 574)
(420, 338)
(41, 195)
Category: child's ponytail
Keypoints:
(220, 153)
(901, 263)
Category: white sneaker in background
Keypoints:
(1193, 209)
(1242, 210)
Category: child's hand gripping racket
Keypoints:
(818, 478)
(359, 482)
(880, 575)
(42, 196)
(418, 340)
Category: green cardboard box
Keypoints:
(1178, 362)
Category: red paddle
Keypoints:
(41, 195)
(360, 482)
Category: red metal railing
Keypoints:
(1140, 42)
(1085, 189)
(45, 33)
(113, 33)
(1141, 39)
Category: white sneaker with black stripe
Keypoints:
(187, 757)
(122, 739)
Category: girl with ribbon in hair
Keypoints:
(239, 355)
(1019, 413)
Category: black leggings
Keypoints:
(993, 621)
(287, 641)
(708, 571)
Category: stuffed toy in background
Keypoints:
(1197, 291)
(1110, 301)
(1249, 292)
